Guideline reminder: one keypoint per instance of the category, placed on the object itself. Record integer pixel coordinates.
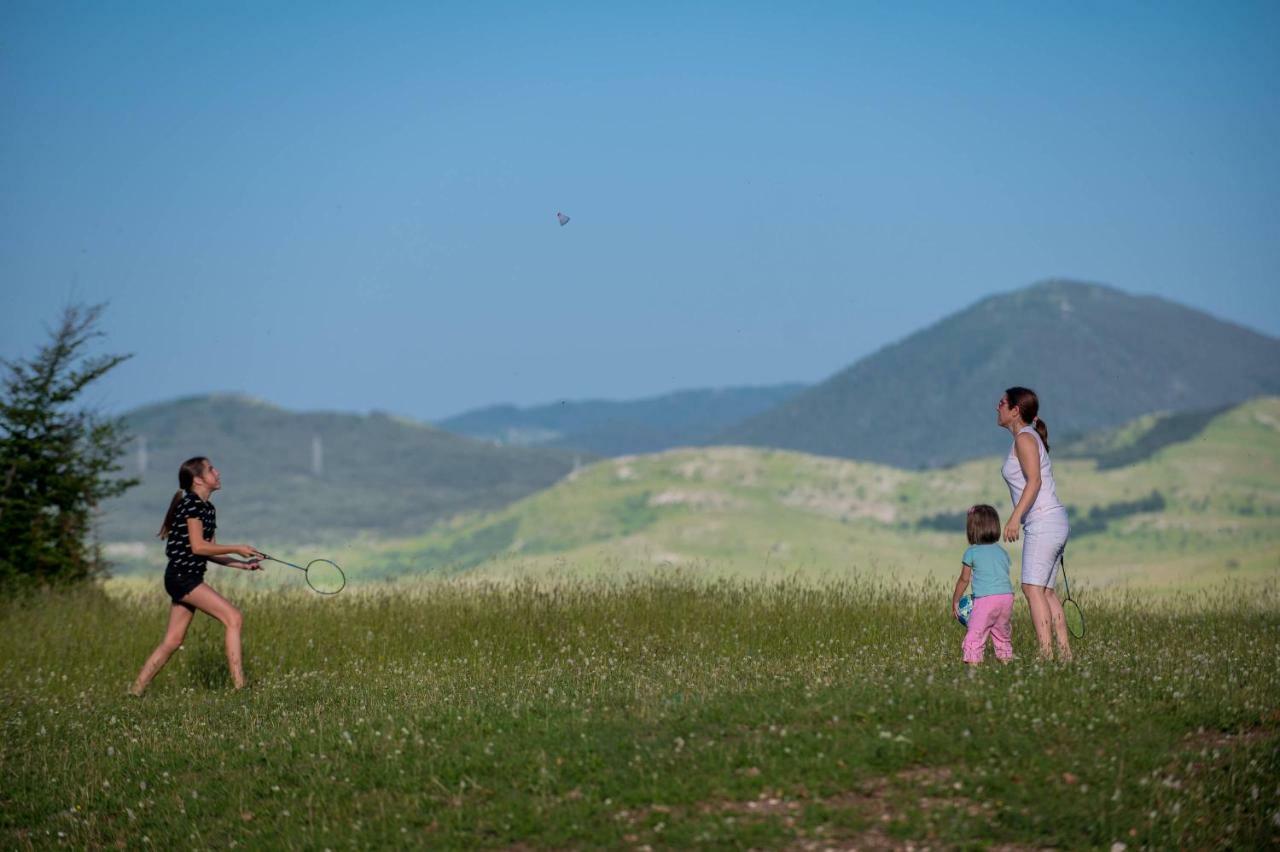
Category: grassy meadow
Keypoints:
(664, 711)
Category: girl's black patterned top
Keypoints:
(178, 547)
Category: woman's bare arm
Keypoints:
(1028, 452)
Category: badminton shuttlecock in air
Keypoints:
(564, 220)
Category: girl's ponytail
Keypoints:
(168, 516)
(187, 473)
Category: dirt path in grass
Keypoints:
(875, 804)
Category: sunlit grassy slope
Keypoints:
(747, 512)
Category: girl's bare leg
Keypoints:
(1059, 621)
(1040, 618)
(205, 599)
(179, 621)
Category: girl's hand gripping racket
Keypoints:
(1071, 609)
(323, 575)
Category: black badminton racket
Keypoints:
(324, 576)
(1070, 609)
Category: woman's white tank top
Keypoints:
(1047, 499)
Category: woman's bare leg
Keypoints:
(179, 621)
(1059, 621)
(205, 599)
(1040, 618)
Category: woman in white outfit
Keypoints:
(1037, 510)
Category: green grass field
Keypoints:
(660, 712)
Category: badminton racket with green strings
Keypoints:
(323, 575)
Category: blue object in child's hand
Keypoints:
(964, 608)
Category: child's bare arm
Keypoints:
(246, 564)
(962, 583)
(200, 547)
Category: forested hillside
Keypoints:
(1098, 357)
(290, 476)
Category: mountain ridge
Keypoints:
(621, 427)
(320, 474)
(1090, 350)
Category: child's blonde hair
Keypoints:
(983, 524)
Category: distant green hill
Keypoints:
(1140, 439)
(1194, 511)
(616, 428)
(306, 477)
(1097, 356)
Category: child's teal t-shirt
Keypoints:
(990, 564)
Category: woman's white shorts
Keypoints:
(1044, 539)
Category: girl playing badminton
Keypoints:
(1036, 508)
(188, 530)
(987, 564)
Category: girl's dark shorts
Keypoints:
(180, 585)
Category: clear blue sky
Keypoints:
(352, 206)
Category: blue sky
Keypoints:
(352, 206)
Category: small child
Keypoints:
(987, 563)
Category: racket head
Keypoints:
(1075, 618)
(325, 577)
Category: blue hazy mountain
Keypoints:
(614, 428)
(1097, 356)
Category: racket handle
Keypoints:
(281, 561)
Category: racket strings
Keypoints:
(324, 576)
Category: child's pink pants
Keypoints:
(990, 616)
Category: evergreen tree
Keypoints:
(58, 459)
